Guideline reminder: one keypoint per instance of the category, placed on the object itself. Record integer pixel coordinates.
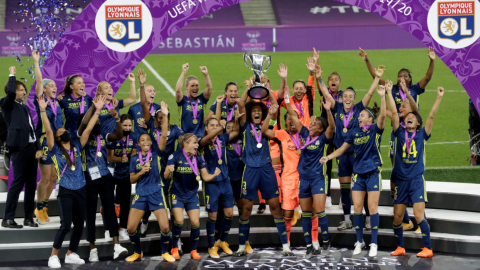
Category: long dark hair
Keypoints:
(58, 142)
(419, 118)
(124, 117)
(206, 124)
(375, 110)
(69, 82)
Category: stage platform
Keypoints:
(453, 213)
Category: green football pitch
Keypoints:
(448, 146)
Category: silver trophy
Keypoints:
(257, 65)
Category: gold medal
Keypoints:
(148, 163)
(299, 151)
(220, 161)
(72, 168)
(198, 178)
(99, 154)
(195, 121)
(345, 130)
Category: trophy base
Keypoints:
(258, 92)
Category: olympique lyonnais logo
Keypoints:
(124, 24)
(456, 20)
(453, 24)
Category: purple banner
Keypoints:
(225, 17)
(324, 13)
(217, 41)
(12, 43)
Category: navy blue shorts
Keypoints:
(150, 202)
(263, 179)
(309, 187)
(217, 193)
(188, 204)
(413, 191)
(392, 145)
(236, 188)
(46, 158)
(371, 181)
(345, 164)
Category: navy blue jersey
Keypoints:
(414, 89)
(55, 122)
(234, 162)
(186, 115)
(309, 166)
(136, 113)
(107, 122)
(339, 100)
(72, 112)
(338, 114)
(367, 148)
(72, 180)
(224, 113)
(411, 165)
(251, 155)
(172, 136)
(90, 153)
(151, 181)
(122, 169)
(211, 157)
(184, 184)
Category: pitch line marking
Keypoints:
(162, 80)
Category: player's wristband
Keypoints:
(272, 122)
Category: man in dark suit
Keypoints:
(24, 151)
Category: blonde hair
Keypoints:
(99, 87)
(185, 138)
(190, 78)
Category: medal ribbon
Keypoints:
(192, 163)
(82, 105)
(123, 146)
(346, 120)
(66, 163)
(230, 115)
(367, 127)
(152, 110)
(334, 97)
(309, 141)
(53, 105)
(403, 125)
(194, 108)
(258, 137)
(296, 141)
(99, 144)
(140, 158)
(409, 141)
(218, 148)
(403, 95)
(237, 148)
(300, 109)
(158, 136)
(109, 106)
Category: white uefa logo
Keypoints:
(453, 24)
(123, 25)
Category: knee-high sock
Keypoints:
(375, 223)
(346, 199)
(307, 226)
(365, 205)
(425, 233)
(398, 232)
(358, 223)
(288, 225)
(323, 220)
(282, 230)
(194, 237)
(226, 225)
(243, 228)
(218, 224)
(211, 232)
(314, 228)
(135, 239)
(406, 217)
(165, 239)
(176, 231)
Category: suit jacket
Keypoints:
(16, 116)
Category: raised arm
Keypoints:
(133, 93)
(9, 100)
(88, 115)
(209, 177)
(331, 121)
(272, 112)
(393, 108)
(38, 73)
(46, 123)
(412, 102)
(436, 105)
(218, 109)
(241, 107)
(383, 107)
(142, 78)
(208, 83)
(282, 72)
(291, 112)
(370, 67)
(236, 130)
(424, 81)
(378, 75)
(97, 105)
(180, 82)
(322, 88)
(163, 138)
(112, 137)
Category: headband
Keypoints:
(370, 113)
(190, 138)
(45, 82)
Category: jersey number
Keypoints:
(413, 150)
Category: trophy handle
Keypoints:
(269, 59)
(245, 57)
